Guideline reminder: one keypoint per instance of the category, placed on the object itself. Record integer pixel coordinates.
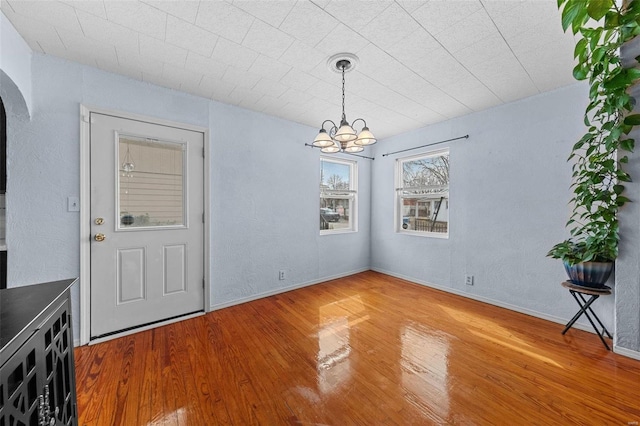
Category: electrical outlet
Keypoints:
(468, 279)
(281, 274)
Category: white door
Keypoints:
(146, 223)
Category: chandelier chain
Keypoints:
(344, 117)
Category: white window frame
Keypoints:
(398, 195)
(351, 194)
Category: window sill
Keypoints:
(436, 235)
(337, 231)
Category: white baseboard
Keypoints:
(493, 302)
(618, 350)
(626, 352)
(281, 290)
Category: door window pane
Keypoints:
(150, 183)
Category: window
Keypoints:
(338, 195)
(422, 194)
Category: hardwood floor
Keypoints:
(362, 350)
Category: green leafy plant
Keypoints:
(598, 157)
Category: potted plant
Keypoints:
(598, 175)
(591, 273)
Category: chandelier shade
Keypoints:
(345, 133)
(331, 149)
(352, 147)
(365, 137)
(343, 138)
(323, 139)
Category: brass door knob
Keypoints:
(99, 237)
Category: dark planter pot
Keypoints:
(589, 274)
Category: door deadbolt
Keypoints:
(99, 221)
(99, 237)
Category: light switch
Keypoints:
(73, 204)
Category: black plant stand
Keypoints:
(578, 293)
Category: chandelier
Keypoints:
(343, 138)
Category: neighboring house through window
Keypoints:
(338, 195)
(422, 194)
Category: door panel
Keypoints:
(130, 274)
(175, 273)
(147, 231)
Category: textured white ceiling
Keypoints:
(420, 61)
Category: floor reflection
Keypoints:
(334, 347)
(424, 369)
(490, 330)
(177, 417)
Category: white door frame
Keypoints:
(85, 210)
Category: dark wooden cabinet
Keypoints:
(3, 188)
(3, 149)
(37, 377)
(3, 270)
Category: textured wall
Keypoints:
(509, 192)
(15, 62)
(628, 265)
(265, 208)
(42, 167)
(264, 201)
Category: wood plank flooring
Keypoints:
(363, 350)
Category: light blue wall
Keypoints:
(264, 199)
(628, 263)
(265, 204)
(508, 205)
(42, 169)
(15, 66)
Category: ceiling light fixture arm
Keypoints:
(332, 130)
(359, 119)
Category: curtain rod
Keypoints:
(429, 144)
(349, 153)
